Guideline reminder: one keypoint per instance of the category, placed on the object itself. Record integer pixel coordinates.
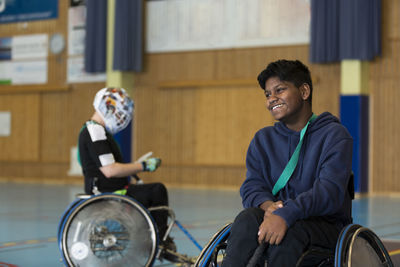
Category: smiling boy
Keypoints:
(312, 154)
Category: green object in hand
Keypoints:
(151, 164)
(120, 192)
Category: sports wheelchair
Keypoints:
(114, 230)
(357, 246)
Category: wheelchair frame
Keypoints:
(109, 241)
(340, 257)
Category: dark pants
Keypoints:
(242, 241)
(152, 195)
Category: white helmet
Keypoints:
(115, 107)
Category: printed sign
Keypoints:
(76, 30)
(5, 124)
(23, 72)
(22, 10)
(29, 46)
(23, 59)
(76, 72)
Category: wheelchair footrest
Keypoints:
(176, 257)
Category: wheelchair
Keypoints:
(114, 230)
(357, 246)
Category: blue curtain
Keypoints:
(345, 29)
(128, 35)
(96, 36)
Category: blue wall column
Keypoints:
(354, 115)
(121, 79)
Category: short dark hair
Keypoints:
(293, 71)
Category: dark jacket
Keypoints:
(318, 185)
(95, 144)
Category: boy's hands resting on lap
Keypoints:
(273, 229)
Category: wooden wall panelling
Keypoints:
(326, 88)
(209, 126)
(176, 110)
(187, 125)
(23, 143)
(80, 105)
(198, 176)
(57, 118)
(385, 134)
(57, 71)
(201, 133)
(146, 122)
(384, 96)
(248, 63)
(63, 115)
(227, 119)
(49, 116)
(390, 19)
(54, 114)
(37, 173)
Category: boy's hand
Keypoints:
(272, 230)
(151, 164)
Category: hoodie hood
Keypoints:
(321, 121)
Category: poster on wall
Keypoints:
(76, 47)
(176, 25)
(76, 72)
(23, 59)
(5, 48)
(76, 30)
(23, 72)
(5, 123)
(29, 46)
(22, 10)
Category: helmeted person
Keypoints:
(295, 192)
(102, 162)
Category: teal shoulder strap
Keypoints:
(291, 165)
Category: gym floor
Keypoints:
(30, 213)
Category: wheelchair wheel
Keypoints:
(107, 230)
(215, 249)
(359, 246)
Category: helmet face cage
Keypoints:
(115, 107)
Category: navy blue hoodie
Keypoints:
(318, 185)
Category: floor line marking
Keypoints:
(394, 252)
(27, 242)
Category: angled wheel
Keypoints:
(215, 249)
(107, 230)
(359, 246)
